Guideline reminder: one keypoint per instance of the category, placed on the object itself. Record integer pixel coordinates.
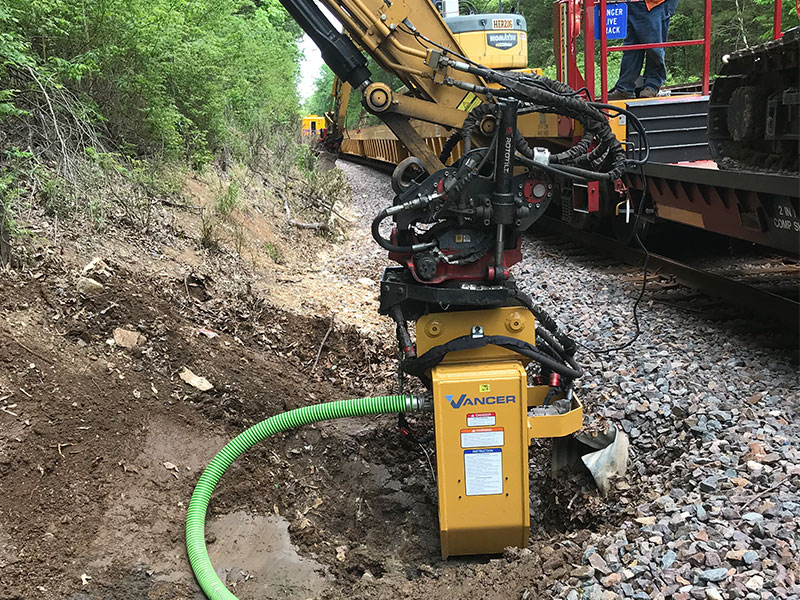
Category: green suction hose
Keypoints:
(196, 514)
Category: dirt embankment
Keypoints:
(101, 439)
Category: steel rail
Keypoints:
(760, 302)
(372, 163)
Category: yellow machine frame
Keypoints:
(481, 399)
(313, 124)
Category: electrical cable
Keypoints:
(644, 277)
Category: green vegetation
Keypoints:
(176, 79)
(274, 252)
(320, 100)
(129, 92)
(228, 200)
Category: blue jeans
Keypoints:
(645, 27)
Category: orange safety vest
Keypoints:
(651, 4)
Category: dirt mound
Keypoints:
(101, 444)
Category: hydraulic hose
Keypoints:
(203, 570)
(420, 365)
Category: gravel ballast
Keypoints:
(712, 497)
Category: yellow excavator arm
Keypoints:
(406, 38)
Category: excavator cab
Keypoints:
(498, 41)
(495, 40)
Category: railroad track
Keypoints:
(762, 288)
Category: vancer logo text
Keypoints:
(463, 400)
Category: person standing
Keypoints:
(648, 23)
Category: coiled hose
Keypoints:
(203, 570)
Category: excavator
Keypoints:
(498, 370)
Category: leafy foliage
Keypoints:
(320, 100)
(181, 79)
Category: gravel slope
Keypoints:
(712, 502)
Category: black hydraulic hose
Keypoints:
(593, 120)
(551, 169)
(570, 170)
(582, 147)
(548, 322)
(557, 348)
(542, 345)
(420, 365)
(578, 150)
(382, 241)
(472, 120)
(589, 116)
(462, 183)
(637, 125)
(389, 246)
(450, 144)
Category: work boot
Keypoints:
(620, 95)
(648, 92)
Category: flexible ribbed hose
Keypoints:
(196, 514)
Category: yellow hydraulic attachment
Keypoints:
(457, 231)
(481, 401)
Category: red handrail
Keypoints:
(573, 77)
(605, 48)
(603, 52)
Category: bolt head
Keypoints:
(434, 328)
(514, 322)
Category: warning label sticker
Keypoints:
(486, 419)
(482, 437)
(483, 472)
(469, 102)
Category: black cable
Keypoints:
(420, 365)
(644, 276)
(449, 145)
(599, 127)
(460, 184)
(637, 124)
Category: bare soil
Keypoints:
(100, 445)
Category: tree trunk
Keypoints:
(5, 235)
